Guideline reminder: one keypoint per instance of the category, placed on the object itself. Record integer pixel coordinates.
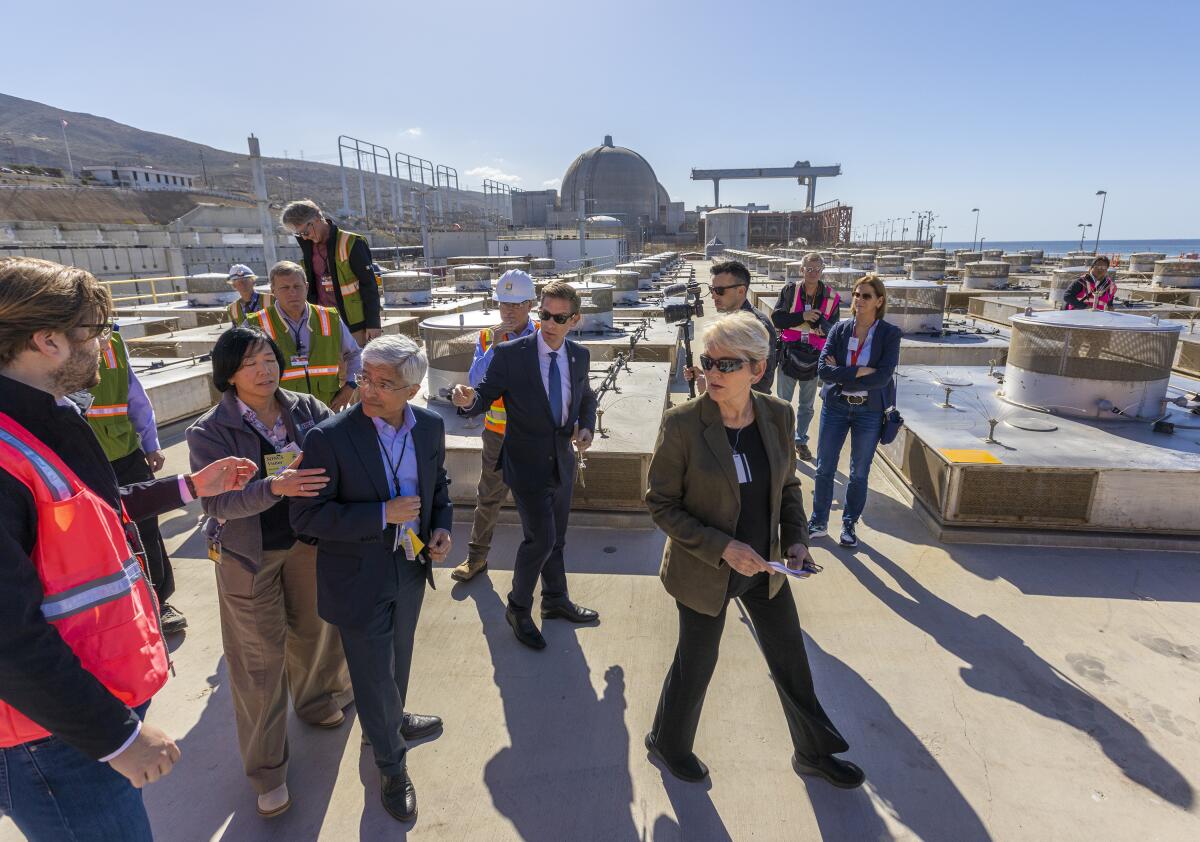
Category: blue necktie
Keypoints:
(555, 390)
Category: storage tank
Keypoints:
(889, 264)
(935, 253)
(407, 289)
(1177, 273)
(1143, 261)
(840, 260)
(542, 265)
(730, 225)
(642, 269)
(651, 268)
(1036, 256)
(927, 268)
(992, 254)
(466, 260)
(472, 277)
(915, 306)
(595, 307)
(985, 274)
(962, 258)
(864, 260)
(777, 268)
(209, 289)
(841, 278)
(1060, 279)
(509, 265)
(450, 342)
(1090, 363)
(625, 285)
(1018, 262)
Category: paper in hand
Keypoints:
(802, 573)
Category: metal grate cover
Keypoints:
(1122, 355)
(1026, 495)
(917, 301)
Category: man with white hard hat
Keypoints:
(242, 278)
(515, 295)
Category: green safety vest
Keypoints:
(316, 375)
(109, 414)
(352, 303)
(237, 310)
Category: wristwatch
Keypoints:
(353, 384)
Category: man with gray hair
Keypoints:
(338, 265)
(379, 532)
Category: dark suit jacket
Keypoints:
(885, 356)
(694, 496)
(354, 550)
(536, 451)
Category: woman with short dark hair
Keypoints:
(860, 357)
(275, 644)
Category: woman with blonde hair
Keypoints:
(861, 355)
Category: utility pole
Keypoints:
(70, 166)
(204, 171)
(1103, 194)
(975, 236)
(260, 199)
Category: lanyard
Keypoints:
(252, 307)
(394, 467)
(854, 352)
(277, 435)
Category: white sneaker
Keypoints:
(271, 804)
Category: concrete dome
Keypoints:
(615, 181)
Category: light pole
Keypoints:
(892, 229)
(1083, 227)
(942, 234)
(920, 222)
(1103, 194)
(981, 244)
(975, 236)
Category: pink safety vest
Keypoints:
(828, 307)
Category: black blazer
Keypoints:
(885, 356)
(354, 550)
(526, 461)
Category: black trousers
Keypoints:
(379, 655)
(130, 469)
(544, 516)
(778, 629)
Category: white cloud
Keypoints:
(552, 182)
(495, 174)
(415, 131)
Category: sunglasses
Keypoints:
(718, 291)
(863, 295)
(560, 318)
(723, 365)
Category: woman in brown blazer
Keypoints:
(723, 487)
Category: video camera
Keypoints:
(681, 303)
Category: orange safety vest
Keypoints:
(496, 418)
(94, 592)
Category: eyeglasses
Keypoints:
(723, 365)
(719, 291)
(814, 267)
(560, 318)
(103, 332)
(865, 296)
(364, 381)
(304, 230)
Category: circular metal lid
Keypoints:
(1095, 320)
(952, 382)
(1031, 423)
(909, 284)
(471, 320)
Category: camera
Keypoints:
(681, 303)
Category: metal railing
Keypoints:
(154, 295)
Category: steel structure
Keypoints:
(446, 178)
(372, 153)
(802, 171)
(497, 197)
(420, 171)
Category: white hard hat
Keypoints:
(514, 287)
(241, 270)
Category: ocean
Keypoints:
(1171, 248)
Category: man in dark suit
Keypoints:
(543, 379)
(381, 521)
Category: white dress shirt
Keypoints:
(564, 373)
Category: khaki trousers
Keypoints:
(276, 645)
(489, 496)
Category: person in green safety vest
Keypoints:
(121, 416)
(337, 264)
(249, 300)
(322, 357)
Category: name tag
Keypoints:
(742, 465)
(853, 344)
(214, 550)
(277, 463)
(299, 362)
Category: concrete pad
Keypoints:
(199, 341)
(176, 388)
(187, 315)
(133, 327)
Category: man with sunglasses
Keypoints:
(550, 405)
(729, 286)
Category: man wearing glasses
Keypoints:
(550, 405)
(337, 264)
(729, 286)
(514, 294)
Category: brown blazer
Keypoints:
(694, 496)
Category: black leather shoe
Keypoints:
(418, 725)
(840, 773)
(690, 769)
(525, 629)
(399, 797)
(569, 611)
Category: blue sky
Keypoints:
(1021, 109)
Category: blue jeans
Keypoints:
(863, 424)
(785, 386)
(56, 793)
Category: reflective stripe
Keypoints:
(350, 288)
(91, 594)
(321, 370)
(108, 411)
(311, 371)
(323, 316)
(110, 356)
(343, 249)
(264, 321)
(60, 487)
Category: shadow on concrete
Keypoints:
(565, 773)
(1001, 665)
(903, 778)
(207, 795)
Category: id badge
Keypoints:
(277, 463)
(852, 344)
(214, 550)
(742, 465)
(299, 361)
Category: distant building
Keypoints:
(139, 178)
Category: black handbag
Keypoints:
(892, 421)
(798, 360)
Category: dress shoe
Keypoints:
(332, 721)
(525, 629)
(569, 611)
(690, 769)
(399, 796)
(840, 773)
(466, 571)
(271, 804)
(418, 725)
